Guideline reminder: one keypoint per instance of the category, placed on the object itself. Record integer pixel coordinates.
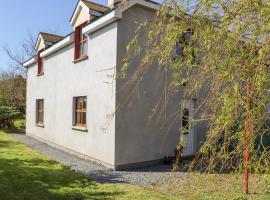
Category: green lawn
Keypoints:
(216, 187)
(26, 174)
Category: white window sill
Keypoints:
(40, 74)
(40, 125)
(78, 128)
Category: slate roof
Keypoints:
(48, 37)
(96, 7)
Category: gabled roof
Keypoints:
(92, 8)
(48, 38)
(95, 6)
(103, 20)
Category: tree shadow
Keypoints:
(24, 177)
(95, 170)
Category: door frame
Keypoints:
(190, 105)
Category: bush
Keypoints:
(8, 116)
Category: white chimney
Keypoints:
(113, 3)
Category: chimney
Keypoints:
(113, 3)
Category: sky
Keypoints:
(18, 17)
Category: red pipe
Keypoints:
(247, 138)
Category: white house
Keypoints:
(73, 96)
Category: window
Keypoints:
(40, 64)
(83, 46)
(40, 112)
(185, 123)
(80, 111)
(80, 43)
(184, 40)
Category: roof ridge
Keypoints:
(95, 3)
(50, 34)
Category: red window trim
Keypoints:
(40, 63)
(78, 39)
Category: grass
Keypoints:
(26, 174)
(216, 186)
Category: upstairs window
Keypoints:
(40, 112)
(40, 64)
(80, 111)
(80, 43)
(184, 40)
(83, 46)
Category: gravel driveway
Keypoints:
(142, 176)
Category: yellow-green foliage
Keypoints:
(229, 46)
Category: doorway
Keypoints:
(187, 129)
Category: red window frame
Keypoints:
(40, 63)
(80, 40)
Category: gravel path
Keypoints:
(142, 176)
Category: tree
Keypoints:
(13, 82)
(220, 47)
(19, 56)
(13, 91)
(7, 116)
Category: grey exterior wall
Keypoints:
(63, 80)
(139, 138)
(116, 139)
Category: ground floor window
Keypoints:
(40, 111)
(80, 111)
(185, 121)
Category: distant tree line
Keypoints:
(13, 90)
(12, 98)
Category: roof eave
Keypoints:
(80, 5)
(100, 22)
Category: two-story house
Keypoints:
(75, 103)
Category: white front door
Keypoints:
(187, 130)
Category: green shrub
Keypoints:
(8, 116)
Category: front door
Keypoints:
(187, 130)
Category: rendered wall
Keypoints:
(139, 138)
(83, 16)
(63, 80)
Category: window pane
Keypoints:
(77, 104)
(41, 106)
(78, 118)
(185, 118)
(84, 103)
(81, 49)
(187, 37)
(84, 48)
(84, 117)
(81, 103)
(80, 111)
(41, 117)
(40, 111)
(179, 50)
